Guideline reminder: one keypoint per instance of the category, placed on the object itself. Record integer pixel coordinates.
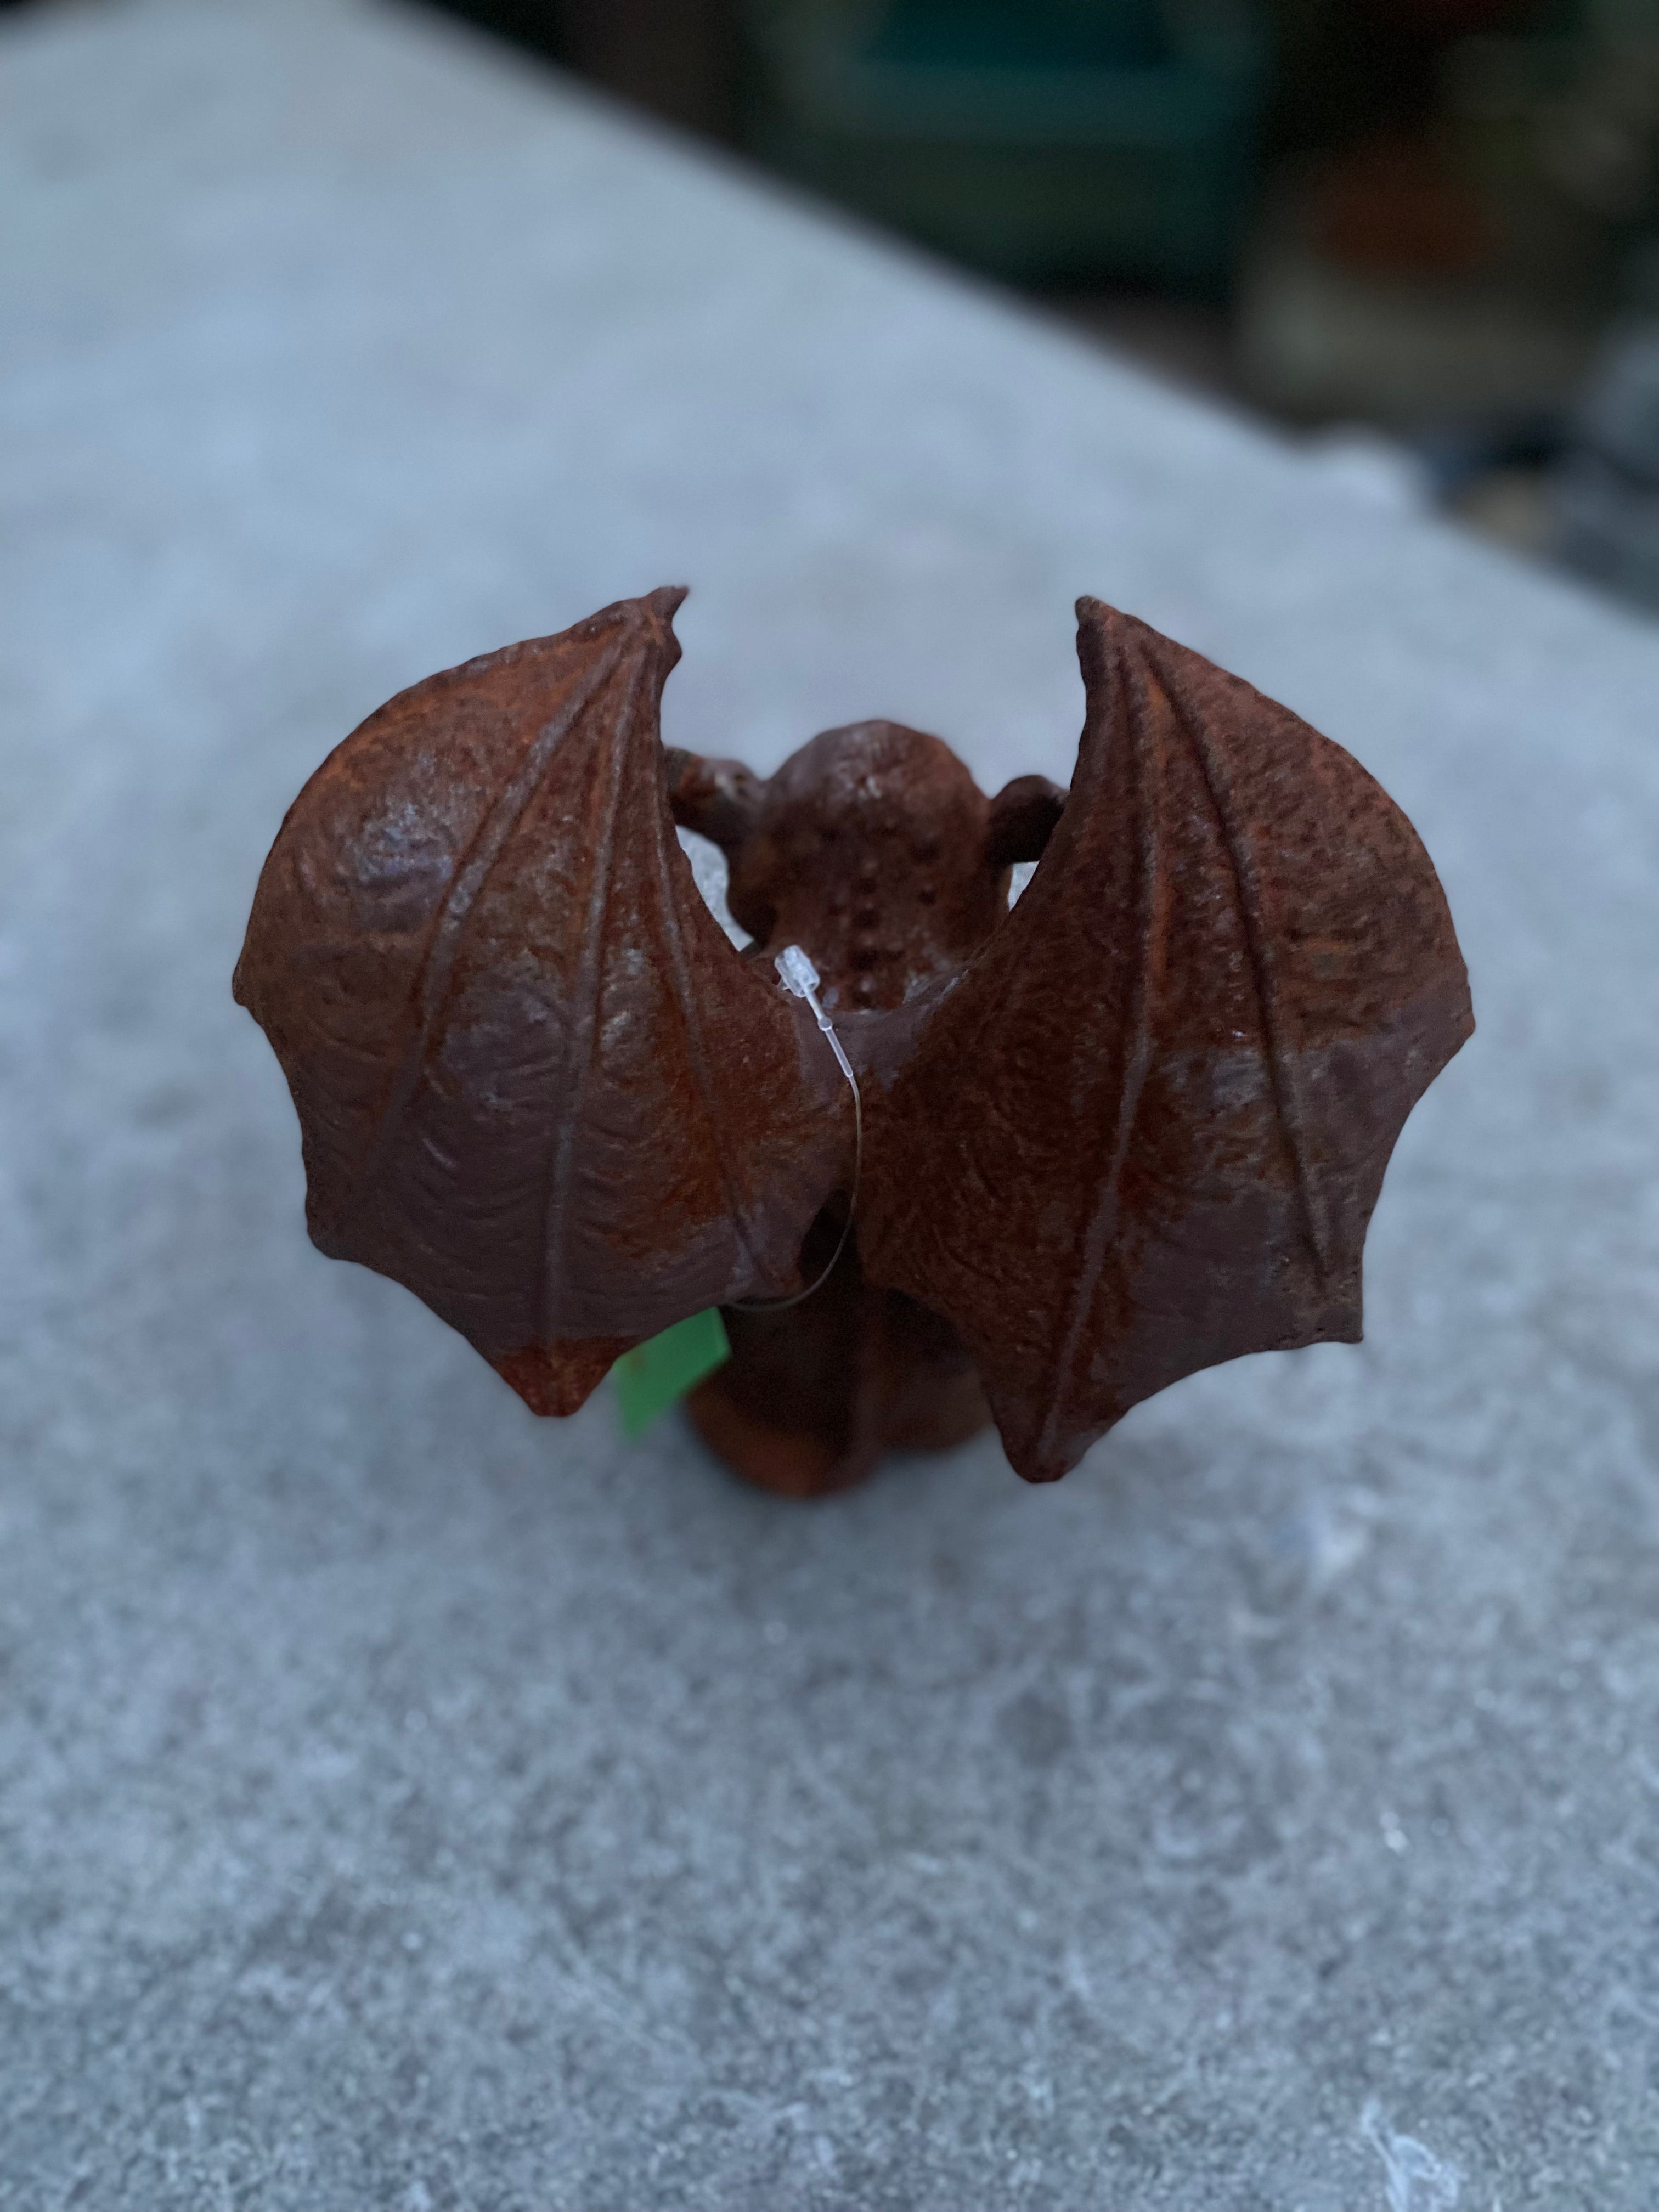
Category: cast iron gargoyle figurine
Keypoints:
(1132, 1126)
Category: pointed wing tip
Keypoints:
(1040, 1446)
(653, 613)
(1105, 634)
(661, 606)
(646, 623)
(1040, 1460)
(1102, 615)
(556, 1379)
(1039, 1473)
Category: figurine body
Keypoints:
(1133, 1127)
(874, 846)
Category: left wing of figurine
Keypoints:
(536, 1084)
(1146, 1131)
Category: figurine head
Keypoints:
(874, 847)
(870, 847)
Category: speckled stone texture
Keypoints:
(409, 1804)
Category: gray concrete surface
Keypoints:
(407, 1804)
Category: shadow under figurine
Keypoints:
(1129, 1128)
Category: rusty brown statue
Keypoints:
(1132, 1126)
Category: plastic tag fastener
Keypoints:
(800, 979)
(657, 1373)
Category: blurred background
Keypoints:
(1426, 232)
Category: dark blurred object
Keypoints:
(1457, 194)
(1601, 143)
(1443, 259)
(1351, 69)
(1600, 151)
(1050, 141)
(1425, 350)
(677, 58)
(1604, 491)
(1398, 204)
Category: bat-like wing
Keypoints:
(1147, 1130)
(535, 1083)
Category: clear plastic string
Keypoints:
(800, 979)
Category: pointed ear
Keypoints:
(1023, 815)
(720, 799)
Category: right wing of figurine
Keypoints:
(535, 1083)
(1146, 1131)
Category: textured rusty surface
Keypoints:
(1133, 1128)
(536, 1084)
(813, 1396)
(1146, 1132)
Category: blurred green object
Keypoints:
(1042, 141)
(657, 1373)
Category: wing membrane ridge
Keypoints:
(1143, 739)
(1289, 1106)
(577, 1061)
(448, 924)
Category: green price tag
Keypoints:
(656, 1374)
